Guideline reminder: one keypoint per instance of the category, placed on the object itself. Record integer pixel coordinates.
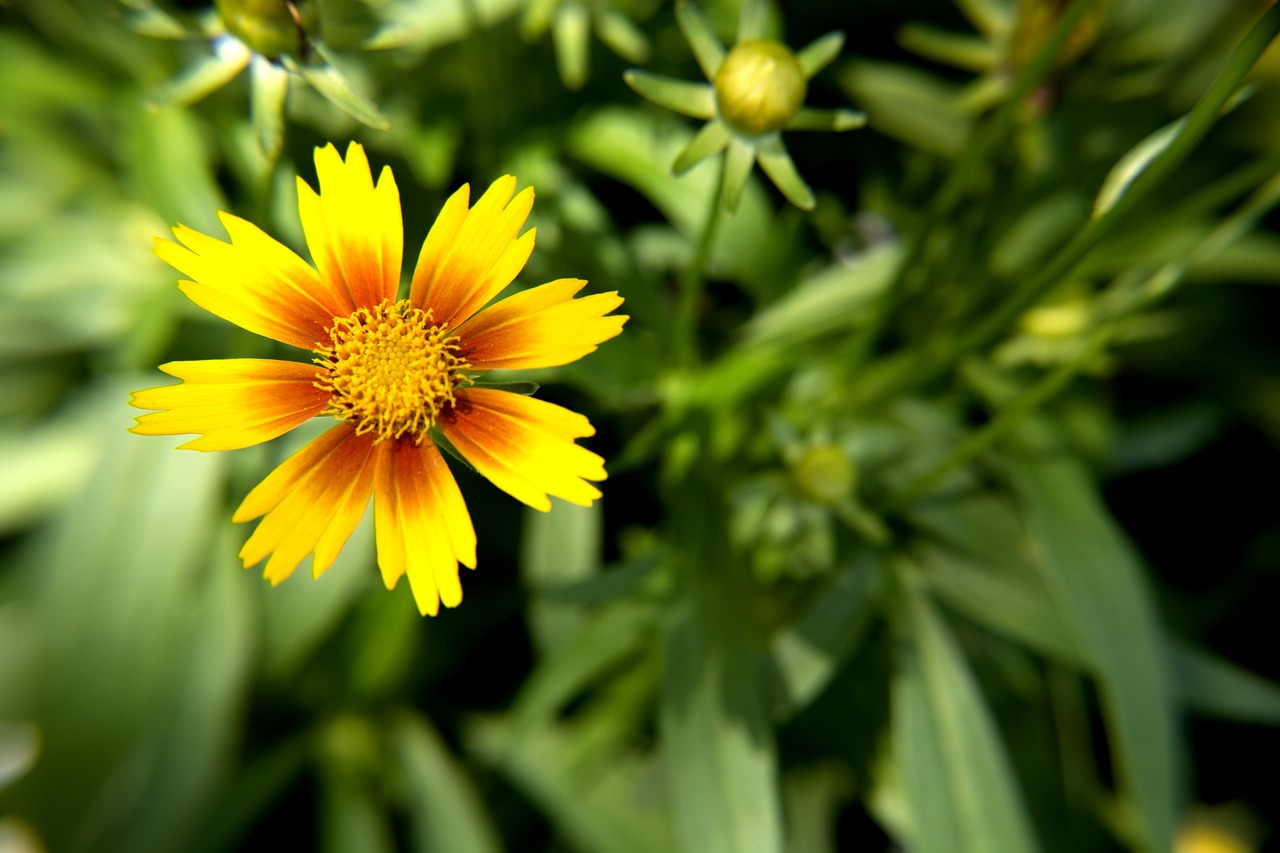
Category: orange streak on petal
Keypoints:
(315, 498)
(253, 281)
(485, 252)
(271, 491)
(541, 327)
(388, 529)
(525, 446)
(231, 403)
(353, 229)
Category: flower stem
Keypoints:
(692, 280)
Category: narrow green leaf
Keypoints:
(803, 658)
(984, 807)
(269, 85)
(351, 818)
(444, 809)
(960, 50)
(753, 20)
(717, 743)
(206, 75)
(712, 139)
(691, 99)
(706, 47)
(326, 79)
(737, 169)
(621, 35)
(571, 32)
(831, 120)
(558, 547)
(778, 165)
(820, 53)
(602, 810)
(1139, 158)
(1209, 685)
(910, 104)
(1097, 584)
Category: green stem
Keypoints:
(692, 280)
(958, 179)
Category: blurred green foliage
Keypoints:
(930, 520)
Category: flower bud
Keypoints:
(760, 87)
(270, 27)
(825, 474)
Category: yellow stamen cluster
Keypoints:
(391, 370)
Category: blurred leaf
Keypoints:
(614, 808)
(621, 35)
(804, 657)
(813, 797)
(558, 547)
(827, 301)
(599, 646)
(716, 740)
(323, 76)
(960, 788)
(610, 585)
(696, 100)
(43, 469)
(444, 809)
(172, 168)
(702, 41)
(571, 33)
(909, 104)
(959, 50)
(207, 74)
(1209, 685)
(1098, 585)
(268, 87)
(820, 53)
(352, 819)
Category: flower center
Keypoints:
(391, 370)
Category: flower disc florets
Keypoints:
(391, 370)
(760, 87)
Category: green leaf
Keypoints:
(692, 99)
(737, 169)
(1209, 685)
(600, 810)
(712, 139)
(706, 47)
(325, 78)
(828, 300)
(1137, 159)
(571, 33)
(444, 809)
(777, 164)
(559, 547)
(621, 34)
(207, 74)
(909, 104)
(818, 54)
(961, 790)
(832, 120)
(717, 743)
(960, 50)
(1098, 586)
(804, 657)
(269, 85)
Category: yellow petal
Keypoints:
(524, 446)
(354, 229)
(255, 282)
(231, 403)
(316, 495)
(424, 523)
(541, 327)
(470, 255)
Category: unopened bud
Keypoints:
(760, 87)
(825, 474)
(270, 27)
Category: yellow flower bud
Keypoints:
(825, 474)
(270, 27)
(760, 87)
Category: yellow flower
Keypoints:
(393, 372)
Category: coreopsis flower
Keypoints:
(753, 93)
(400, 376)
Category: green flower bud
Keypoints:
(760, 87)
(825, 474)
(270, 27)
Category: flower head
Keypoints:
(399, 375)
(755, 92)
